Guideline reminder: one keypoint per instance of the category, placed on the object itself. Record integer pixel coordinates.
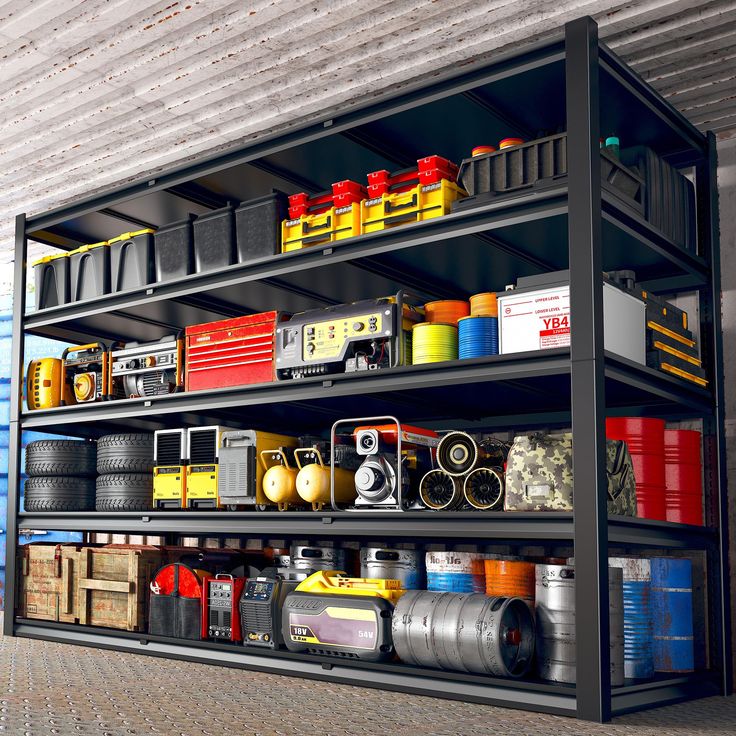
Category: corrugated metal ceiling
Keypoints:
(96, 92)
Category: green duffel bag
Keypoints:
(539, 475)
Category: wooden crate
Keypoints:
(47, 577)
(113, 585)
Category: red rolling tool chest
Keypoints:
(231, 352)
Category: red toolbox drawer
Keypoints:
(231, 352)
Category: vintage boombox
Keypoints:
(86, 370)
(170, 469)
(147, 368)
(241, 472)
(365, 335)
(220, 598)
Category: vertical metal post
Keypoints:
(593, 688)
(714, 425)
(14, 440)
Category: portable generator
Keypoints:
(395, 458)
(170, 468)
(147, 368)
(45, 385)
(203, 453)
(86, 370)
(220, 598)
(332, 614)
(231, 352)
(365, 335)
(261, 604)
(240, 475)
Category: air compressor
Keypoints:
(320, 471)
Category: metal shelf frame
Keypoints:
(575, 387)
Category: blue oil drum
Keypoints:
(638, 637)
(672, 614)
(456, 572)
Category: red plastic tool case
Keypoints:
(342, 194)
(231, 352)
(429, 170)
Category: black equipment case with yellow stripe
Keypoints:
(332, 614)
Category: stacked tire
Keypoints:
(125, 467)
(61, 475)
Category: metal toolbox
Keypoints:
(231, 352)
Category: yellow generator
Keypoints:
(170, 469)
(240, 469)
(46, 386)
(347, 338)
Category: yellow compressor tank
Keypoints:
(313, 480)
(279, 480)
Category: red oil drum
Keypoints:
(683, 476)
(510, 579)
(645, 439)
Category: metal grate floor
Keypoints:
(48, 688)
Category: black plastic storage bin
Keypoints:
(131, 260)
(258, 226)
(214, 239)
(51, 275)
(534, 164)
(669, 197)
(89, 271)
(174, 250)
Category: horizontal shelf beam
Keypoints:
(421, 525)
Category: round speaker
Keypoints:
(440, 491)
(483, 489)
(457, 453)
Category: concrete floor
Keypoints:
(48, 688)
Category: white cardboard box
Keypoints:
(540, 320)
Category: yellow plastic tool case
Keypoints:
(422, 202)
(323, 218)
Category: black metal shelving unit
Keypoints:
(577, 85)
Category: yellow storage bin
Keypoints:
(422, 202)
(336, 223)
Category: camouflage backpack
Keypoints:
(539, 475)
